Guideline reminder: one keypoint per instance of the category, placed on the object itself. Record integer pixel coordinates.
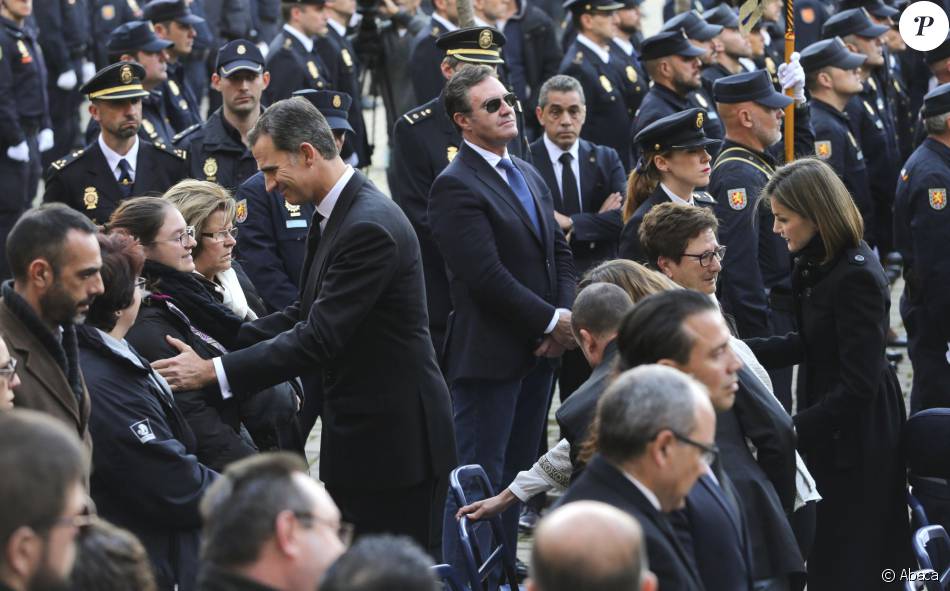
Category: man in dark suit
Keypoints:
(587, 183)
(655, 439)
(119, 164)
(511, 279)
(360, 326)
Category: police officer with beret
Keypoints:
(755, 287)
(870, 115)
(119, 164)
(424, 142)
(174, 21)
(672, 62)
(217, 149)
(921, 223)
(833, 77)
(136, 41)
(24, 119)
(292, 59)
(603, 77)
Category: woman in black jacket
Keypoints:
(146, 476)
(850, 406)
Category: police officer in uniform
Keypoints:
(735, 45)
(217, 149)
(672, 62)
(105, 16)
(119, 164)
(755, 287)
(424, 142)
(921, 223)
(832, 79)
(292, 59)
(174, 21)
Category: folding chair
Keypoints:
(932, 546)
(926, 446)
(918, 516)
(450, 579)
(482, 538)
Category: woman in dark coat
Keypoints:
(850, 406)
(145, 475)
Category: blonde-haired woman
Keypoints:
(673, 164)
(850, 407)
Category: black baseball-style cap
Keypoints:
(136, 36)
(854, 21)
(333, 105)
(238, 55)
(475, 45)
(119, 81)
(942, 51)
(679, 131)
(750, 86)
(694, 25)
(830, 52)
(937, 101)
(160, 11)
(723, 15)
(875, 7)
(669, 43)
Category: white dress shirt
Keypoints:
(624, 44)
(676, 198)
(602, 53)
(340, 29)
(554, 153)
(646, 492)
(113, 157)
(306, 41)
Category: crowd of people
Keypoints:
(575, 208)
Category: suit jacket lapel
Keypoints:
(145, 167)
(587, 165)
(542, 161)
(719, 493)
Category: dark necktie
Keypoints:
(570, 200)
(125, 178)
(520, 188)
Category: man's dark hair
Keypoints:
(122, 262)
(40, 461)
(292, 122)
(600, 308)
(668, 227)
(109, 558)
(655, 330)
(40, 234)
(382, 563)
(240, 509)
(458, 87)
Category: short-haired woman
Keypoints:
(850, 406)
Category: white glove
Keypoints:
(67, 80)
(45, 139)
(792, 75)
(88, 71)
(19, 152)
(264, 48)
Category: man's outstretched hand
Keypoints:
(185, 371)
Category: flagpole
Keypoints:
(789, 110)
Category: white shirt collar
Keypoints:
(643, 489)
(325, 207)
(479, 22)
(490, 157)
(624, 44)
(448, 26)
(113, 157)
(306, 41)
(340, 29)
(676, 198)
(555, 151)
(602, 53)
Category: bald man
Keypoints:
(592, 546)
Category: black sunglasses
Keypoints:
(492, 105)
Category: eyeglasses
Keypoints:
(6, 371)
(709, 452)
(86, 517)
(344, 530)
(492, 105)
(189, 232)
(221, 235)
(706, 258)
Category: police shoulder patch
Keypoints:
(823, 149)
(66, 160)
(738, 199)
(938, 198)
(185, 132)
(240, 211)
(143, 430)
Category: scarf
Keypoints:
(228, 288)
(196, 300)
(65, 353)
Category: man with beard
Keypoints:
(734, 45)
(54, 256)
(43, 504)
(118, 164)
(217, 149)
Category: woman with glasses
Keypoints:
(850, 406)
(673, 164)
(175, 305)
(146, 476)
(8, 378)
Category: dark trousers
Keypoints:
(18, 178)
(64, 115)
(497, 425)
(928, 356)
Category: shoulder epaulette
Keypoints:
(418, 114)
(176, 152)
(703, 196)
(66, 160)
(183, 133)
(579, 57)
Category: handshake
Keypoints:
(558, 340)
